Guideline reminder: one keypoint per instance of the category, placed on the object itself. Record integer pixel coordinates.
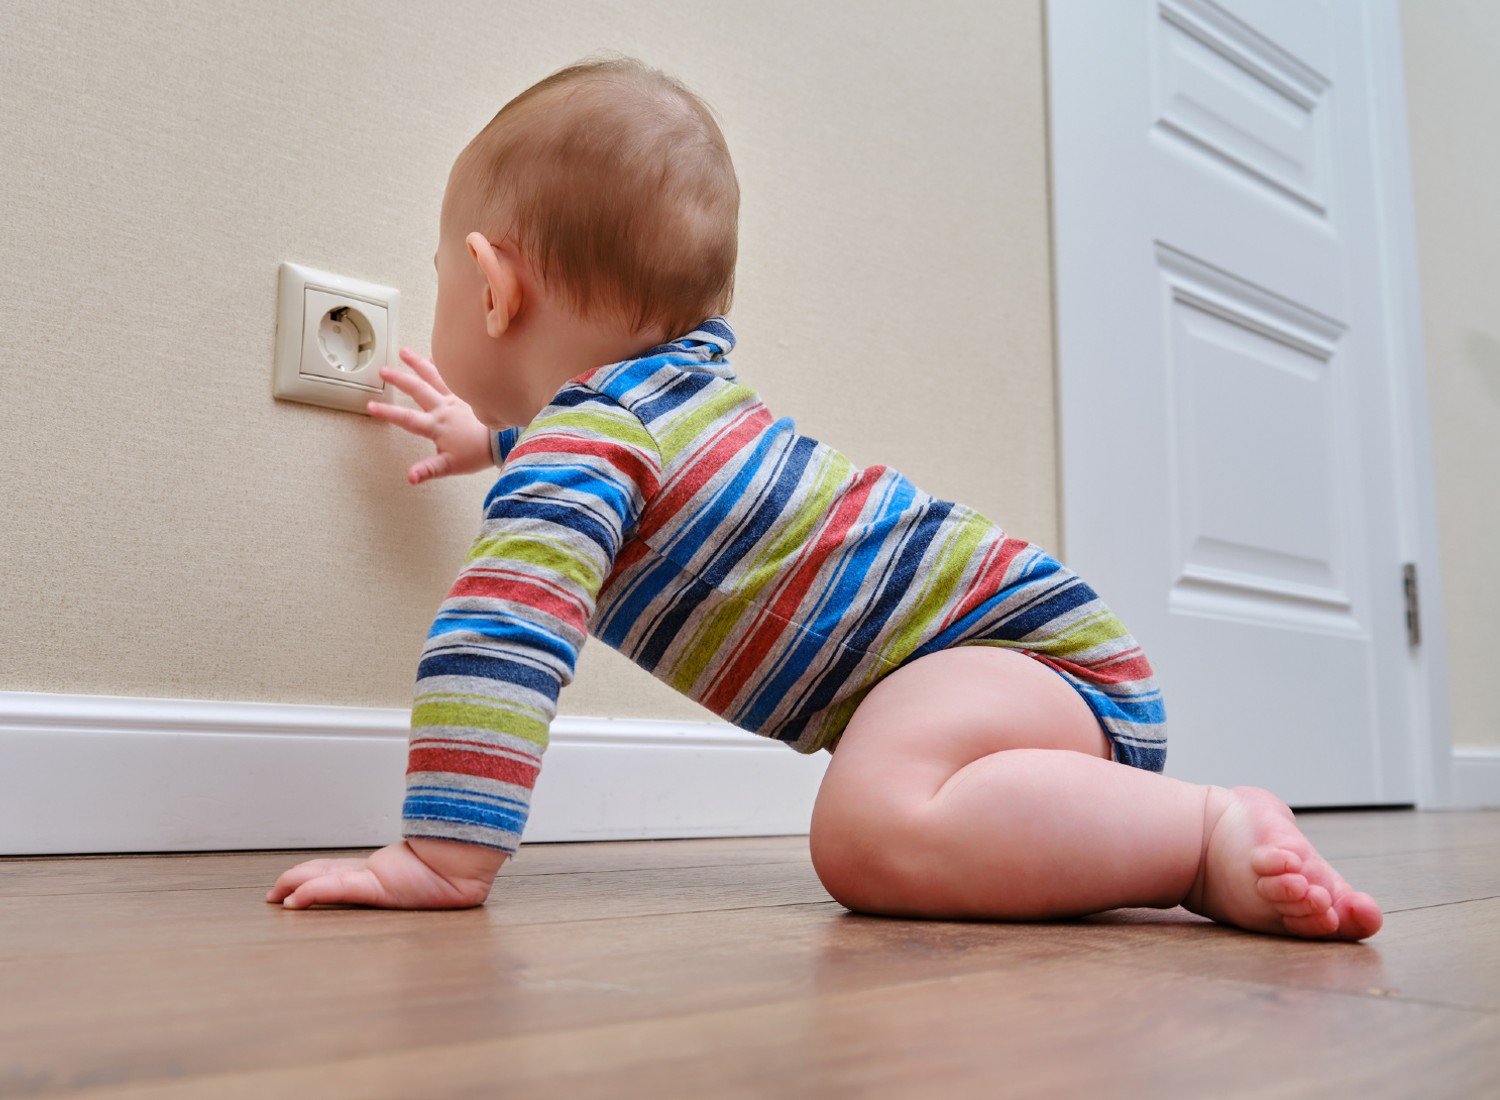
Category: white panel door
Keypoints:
(1226, 409)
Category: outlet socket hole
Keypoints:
(346, 339)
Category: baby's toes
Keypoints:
(1274, 861)
(1315, 902)
(1359, 915)
(1281, 889)
(1316, 925)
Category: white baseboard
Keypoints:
(98, 774)
(1475, 778)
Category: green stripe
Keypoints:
(624, 429)
(495, 718)
(542, 552)
(687, 430)
(1095, 631)
(487, 700)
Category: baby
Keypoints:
(999, 734)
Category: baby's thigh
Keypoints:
(932, 717)
(914, 731)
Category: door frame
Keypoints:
(1404, 374)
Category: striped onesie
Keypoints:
(658, 505)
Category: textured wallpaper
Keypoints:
(171, 530)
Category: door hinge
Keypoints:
(1413, 613)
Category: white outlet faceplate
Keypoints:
(332, 337)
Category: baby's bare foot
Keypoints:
(1259, 872)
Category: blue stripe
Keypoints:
(572, 517)
(679, 393)
(477, 795)
(503, 628)
(462, 812)
(645, 375)
(698, 525)
(576, 477)
(614, 628)
(507, 441)
(1067, 597)
(489, 667)
(570, 397)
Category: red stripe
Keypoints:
(480, 765)
(1133, 667)
(427, 741)
(1130, 665)
(492, 584)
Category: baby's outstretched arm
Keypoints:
(416, 873)
(462, 442)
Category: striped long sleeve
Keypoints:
(507, 637)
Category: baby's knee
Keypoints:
(866, 866)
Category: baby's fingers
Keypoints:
(342, 888)
(426, 368)
(414, 387)
(418, 423)
(293, 877)
(436, 466)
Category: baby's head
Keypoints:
(610, 190)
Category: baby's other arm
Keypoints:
(415, 873)
(462, 442)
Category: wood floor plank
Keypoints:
(1447, 955)
(329, 987)
(721, 968)
(1075, 1028)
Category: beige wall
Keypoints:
(170, 530)
(1452, 87)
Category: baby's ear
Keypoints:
(502, 283)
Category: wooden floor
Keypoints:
(719, 968)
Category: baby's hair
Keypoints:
(616, 184)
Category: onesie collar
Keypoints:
(707, 344)
(702, 351)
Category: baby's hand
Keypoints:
(446, 875)
(463, 443)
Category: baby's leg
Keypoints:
(975, 782)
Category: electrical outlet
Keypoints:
(333, 334)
